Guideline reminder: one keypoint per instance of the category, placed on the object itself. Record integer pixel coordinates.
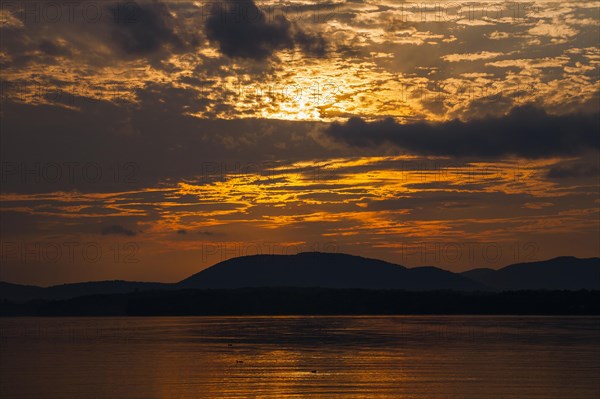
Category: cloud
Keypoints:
(577, 170)
(243, 30)
(310, 43)
(54, 49)
(117, 230)
(121, 29)
(525, 131)
(143, 29)
(136, 136)
(482, 55)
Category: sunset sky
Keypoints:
(148, 140)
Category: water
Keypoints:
(300, 357)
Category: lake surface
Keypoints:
(300, 357)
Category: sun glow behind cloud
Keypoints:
(370, 68)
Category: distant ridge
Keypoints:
(18, 292)
(562, 273)
(324, 270)
(340, 271)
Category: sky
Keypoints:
(148, 140)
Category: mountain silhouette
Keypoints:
(340, 271)
(562, 273)
(18, 292)
(324, 270)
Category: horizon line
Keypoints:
(296, 254)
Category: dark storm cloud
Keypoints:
(312, 44)
(130, 29)
(525, 131)
(577, 170)
(117, 230)
(243, 30)
(142, 29)
(103, 147)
